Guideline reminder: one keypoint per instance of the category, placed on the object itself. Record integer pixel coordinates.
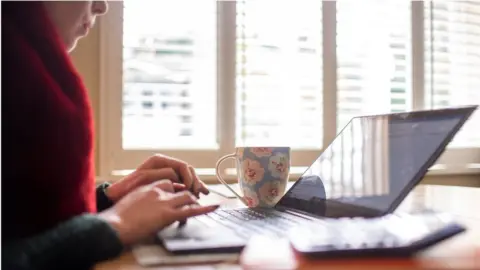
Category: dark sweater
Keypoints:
(78, 243)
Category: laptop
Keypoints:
(366, 172)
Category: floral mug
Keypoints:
(262, 174)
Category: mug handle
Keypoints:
(219, 177)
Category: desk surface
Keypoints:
(460, 252)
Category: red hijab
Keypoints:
(47, 127)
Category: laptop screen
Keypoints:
(373, 163)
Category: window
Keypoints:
(147, 105)
(147, 93)
(198, 79)
(376, 37)
(452, 67)
(178, 65)
(279, 74)
(452, 60)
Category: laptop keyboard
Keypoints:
(247, 221)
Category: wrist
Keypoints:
(116, 223)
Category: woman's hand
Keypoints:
(151, 208)
(156, 168)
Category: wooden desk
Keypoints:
(460, 252)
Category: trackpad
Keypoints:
(197, 238)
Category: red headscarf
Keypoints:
(47, 129)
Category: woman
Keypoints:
(53, 215)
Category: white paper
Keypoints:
(152, 254)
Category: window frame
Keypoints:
(114, 158)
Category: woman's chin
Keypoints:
(71, 45)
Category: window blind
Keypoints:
(374, 58)
(452, 60)
(279, 73)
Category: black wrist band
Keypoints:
(103, 202)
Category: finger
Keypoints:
(193, 189)
(146, 177)
(202, 187)
(160, 161)
(160, 187)
(165, 185)
(194, 210)
(154, 162)
(196, 185)
(181, 199)
(179, 187)
(199, 185)
(186, 177)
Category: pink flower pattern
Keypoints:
(250, 197)
(272, 191)
(279, 166)
(262, 151)
(252, 171)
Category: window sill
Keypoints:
(440, 174)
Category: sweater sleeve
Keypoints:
(78, 243)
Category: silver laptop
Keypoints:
(366, 172)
